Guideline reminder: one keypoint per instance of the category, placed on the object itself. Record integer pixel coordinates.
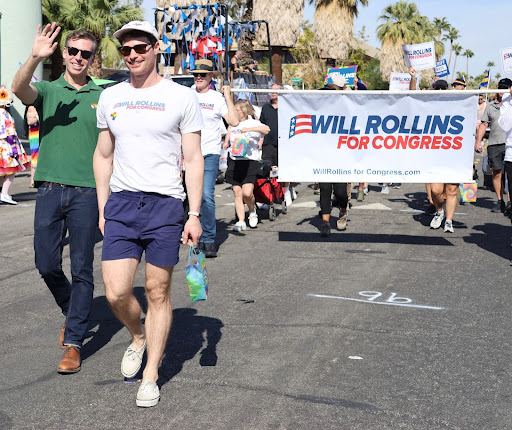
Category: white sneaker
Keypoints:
(365, 191)
(448, 226)
(132, 360)
(437, 220)
(253, 219)
(294, 193)
(385, 189)
(240, 226)
(148, 394)
(6, 198)
(341, 224)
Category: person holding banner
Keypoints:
(445, 193)
(496, 143)
(505, 122)
(335, 82)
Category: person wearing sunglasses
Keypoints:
(214, 107)
(145, 123)
(66, 195)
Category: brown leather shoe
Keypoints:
(71, 362)
(61, 338)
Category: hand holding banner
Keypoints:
(421, 56)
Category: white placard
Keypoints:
(401, 81)
(421, 56)
(336, 137)
(506, 60)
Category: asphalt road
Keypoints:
(387, 325)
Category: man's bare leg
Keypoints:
(452, 196)
(158, 317)
(118, 276)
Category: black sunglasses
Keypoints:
(203, 75)
(74, 51)
(139, 49)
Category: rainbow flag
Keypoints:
(33, 140)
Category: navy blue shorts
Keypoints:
(137, 222)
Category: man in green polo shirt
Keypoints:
(66, 196)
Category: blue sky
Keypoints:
(482, 25)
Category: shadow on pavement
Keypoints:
(345, 237)
(108, 324)
(494, 238)
(188, 334)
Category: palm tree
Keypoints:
(430, 32)
(453, 34)
(468, 54)
(402, 24)
(51, 13)
(101, 18)
(457, 49)
(284, 20)
(440, 25)
(333, 26)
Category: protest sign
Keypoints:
(421, 56)
(442, 68)
(340, 137)
(349, 73)
(506, 60)
(401, 81)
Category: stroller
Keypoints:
(268, 191)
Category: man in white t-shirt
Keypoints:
(214, 107)
(145, 123)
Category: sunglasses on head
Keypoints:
(74, 51)
(139, 49)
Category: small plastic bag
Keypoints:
(197, 275)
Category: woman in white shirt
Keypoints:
(244, 143)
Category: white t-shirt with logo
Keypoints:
(147, 124)
(213, 108)
(253, 137)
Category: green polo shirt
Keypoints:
(68, 132)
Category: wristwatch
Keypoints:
(197, 214)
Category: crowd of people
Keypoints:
(130, 145)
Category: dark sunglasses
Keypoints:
(139, 49)
(203, 75)
(74, 51)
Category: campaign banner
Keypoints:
(349, 73)
(352, 137)
(442, 68)
(421, 56)
(506, 60)
(401, 81)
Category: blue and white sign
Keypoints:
(442, 68)
(349, 73)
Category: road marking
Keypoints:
(310, 204)
(377, 303)
(355, 357)
(373, 206)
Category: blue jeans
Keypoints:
(208, 223)
(73, 209)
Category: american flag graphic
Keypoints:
(300, 124)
